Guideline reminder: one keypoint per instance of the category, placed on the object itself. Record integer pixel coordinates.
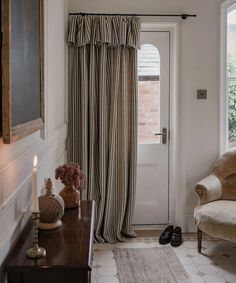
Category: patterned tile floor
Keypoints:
(216, 264)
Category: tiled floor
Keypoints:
(216, 264)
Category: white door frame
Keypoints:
(223, 99)
(176, 170)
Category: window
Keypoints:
(148, 94)
(231, 75)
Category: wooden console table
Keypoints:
(69, 251)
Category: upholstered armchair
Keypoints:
(215, 214)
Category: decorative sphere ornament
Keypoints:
(51, 208)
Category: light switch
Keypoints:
(202, 94)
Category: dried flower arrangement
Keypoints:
(71, 174)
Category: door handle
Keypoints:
(163, 134)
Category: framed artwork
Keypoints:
(22, 68)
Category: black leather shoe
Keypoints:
(166, 235)
(176, 237)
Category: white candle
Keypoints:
(35, 204)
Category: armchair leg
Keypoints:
(199, 240)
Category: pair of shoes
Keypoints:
(171, 235)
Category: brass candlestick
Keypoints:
(36, 251)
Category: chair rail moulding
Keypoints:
(22, 59)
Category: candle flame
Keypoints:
(35, 161)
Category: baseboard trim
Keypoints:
(149, 227)
(189, 224)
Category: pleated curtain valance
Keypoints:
(111, 30)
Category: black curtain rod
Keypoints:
(183, 16)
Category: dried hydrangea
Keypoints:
(71, 174)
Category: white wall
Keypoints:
(16, 159)
(199, 60)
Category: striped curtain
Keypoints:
(103, 116)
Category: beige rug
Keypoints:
(149, 265)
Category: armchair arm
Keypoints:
(208, 189)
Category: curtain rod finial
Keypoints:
(185, 16)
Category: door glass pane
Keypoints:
(148, 94)
(231, 70)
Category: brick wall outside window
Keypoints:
(148, 110)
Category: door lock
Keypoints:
(163, 134)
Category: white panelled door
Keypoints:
(151, 204)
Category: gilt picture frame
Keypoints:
(22, 24)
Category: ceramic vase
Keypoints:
(51, 208)
(71, 196)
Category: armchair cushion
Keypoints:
(217, 218)
(226, 164)
(229, 187)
